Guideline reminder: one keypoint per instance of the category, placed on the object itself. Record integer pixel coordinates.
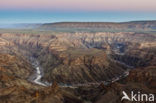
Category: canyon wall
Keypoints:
(73, 58)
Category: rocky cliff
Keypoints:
(76, 59)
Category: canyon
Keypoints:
(75, 67)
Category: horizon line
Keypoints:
(84, 22)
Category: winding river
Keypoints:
(37, 80)
(38, 73)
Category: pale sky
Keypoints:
(81, 5)
(46, 11)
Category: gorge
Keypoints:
(75, 67)
(83, 50)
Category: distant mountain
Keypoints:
(89, 26)
(101, 26)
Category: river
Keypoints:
(37, 80)
(38, 74)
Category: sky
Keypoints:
(45, 11)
